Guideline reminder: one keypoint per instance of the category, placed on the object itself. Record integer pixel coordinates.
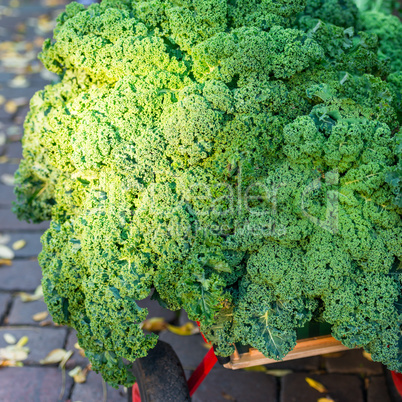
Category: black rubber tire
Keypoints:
(160, 376)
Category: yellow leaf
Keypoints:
(325, 400)
(22, 342)
(19, 244)
(316, 385)
(10, 363)
(79, 375)
(206, 345)
(5, 261)
(13, 353)
(55, 356)
(9, 338)
(26, 297)
(20, 81)
(367, 355)
(65, 359)
(261, 369)
(185, 330)
(6, 253)
(11, 107)
(40, 316)
(279, 373)
(155, 324)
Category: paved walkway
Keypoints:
(348, 377)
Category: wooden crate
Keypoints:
(304, 348)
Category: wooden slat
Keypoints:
(304, 348)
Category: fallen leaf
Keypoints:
(279, 373)
(20, 81)
(10, 363)
(3, 139)
(185, 330)
(155, 324)
(19, 244)
(22, 342)
(4, 239)
(65, 359)
(5, 261)
(45, 323)
(6, 252)
(207, 345)
(40, 316)
(367, 355)
(26, 297)
(228, 397)
(14, 353)
(55, 356)
(2, 99)
(9, 338)
(12, 105)
(14, 3)
(316, 385)
(78, 374)
(325, 400)
(8, 179)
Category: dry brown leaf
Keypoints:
(185, 330)
(10, 339)
(55, 356)
(40, 316)
(45, 323)
(155, 324)
(316, 385)
(228, 397)
(367, 355)
(6, 252)
(26, 297)
(5, 261)
(19, 244)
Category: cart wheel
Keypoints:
(160, 377)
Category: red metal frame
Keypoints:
(397, 379)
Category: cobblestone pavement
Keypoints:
(348, 376)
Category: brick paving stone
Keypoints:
(92, 391)
(24, 275)
(5, 298)
(41, 340)
(76, 359)
(341, 388)
(305, 364)
(189, 349)
(377, 390)
(6, 195)
(32, 247)
(236, 385)
(21, 313)
(8, 168)
(156, 310)
(33, 384)
(9, 222)
(14, 149)
(353, 362)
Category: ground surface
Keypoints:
(348, 377)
